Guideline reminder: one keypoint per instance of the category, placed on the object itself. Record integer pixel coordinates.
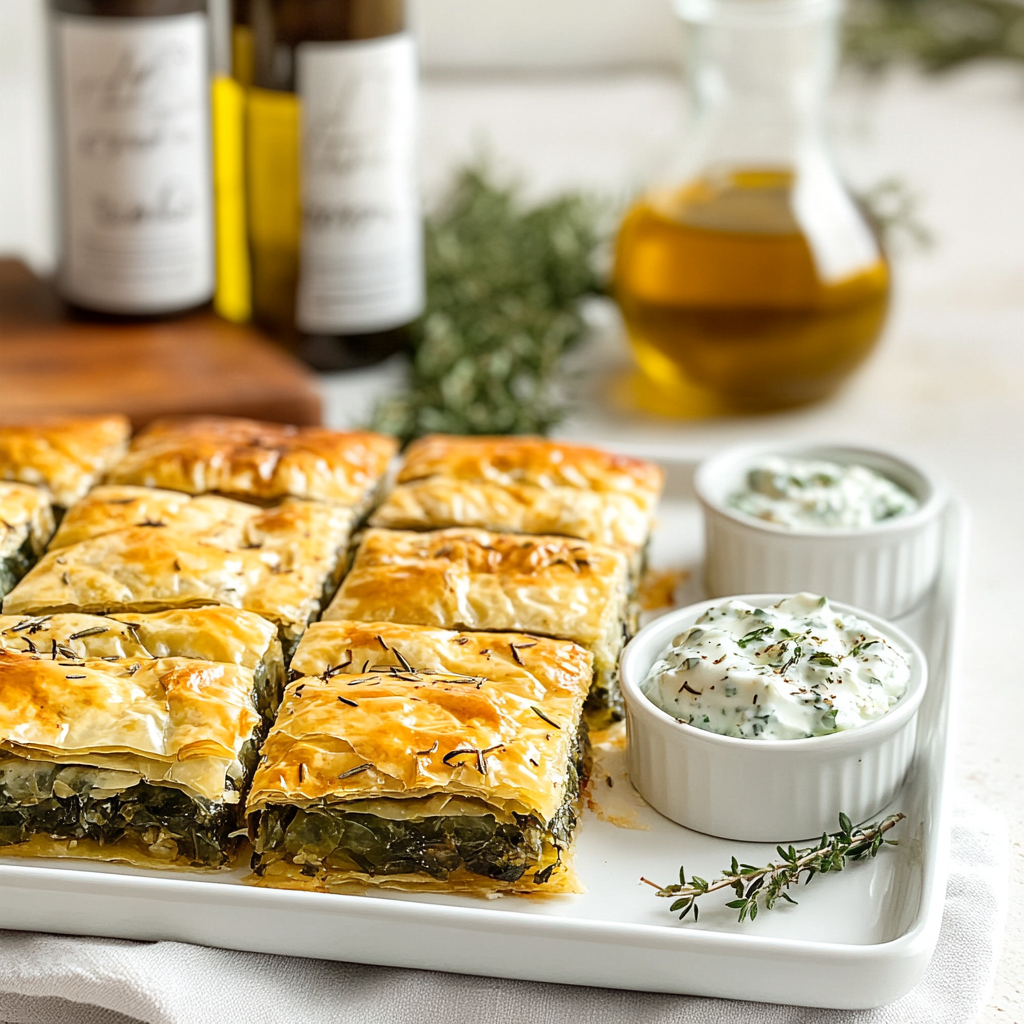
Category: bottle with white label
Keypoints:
(133, 133)
(334, 214)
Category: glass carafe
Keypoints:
(753, 282)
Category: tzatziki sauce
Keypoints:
(816, 493)
(792, 670)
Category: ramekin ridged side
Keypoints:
(764, 790)
(887, 568)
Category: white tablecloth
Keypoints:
(50, 979)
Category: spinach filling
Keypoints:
(16, 564)
(267, 686)
(158, 820)
(149, 816)
(604, 704)
(329, 838)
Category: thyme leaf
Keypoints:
(754, 635)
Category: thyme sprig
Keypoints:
(504, 285)
(762, 887)
(935, 34)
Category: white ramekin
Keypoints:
(763, 790)
(887, 568)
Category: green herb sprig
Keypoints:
(762, 887)
(504, 284)
(935, 34)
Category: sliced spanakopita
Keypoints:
(66, 456)
(211, 633)
(26, 524)
(138, 760)
(423, 759)
(254, 461)
(136, 549)
(524, 485)
(475, 580)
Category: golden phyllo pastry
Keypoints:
(213, 633)
(26, 524)
(136, 760)
(261, 462)
(476, 580)
(523, 485)
(451, 763)
(66, 456)
(128, 549)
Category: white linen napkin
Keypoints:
(52, 979)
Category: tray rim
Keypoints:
(906, 954)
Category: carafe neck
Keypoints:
(760, 72)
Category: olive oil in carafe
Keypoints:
(725, 301)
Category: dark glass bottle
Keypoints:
(334, 218)
(133, 128)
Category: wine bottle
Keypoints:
(334, 216)
(133, 131)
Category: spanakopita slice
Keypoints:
(524, 485)
(139, 760)
(254, 461)
(452, 763)
(133, 549)
(65, 456)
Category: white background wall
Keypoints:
(456, 36)
(26, 227)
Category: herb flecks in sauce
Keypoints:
(795, 670)
(811, 494)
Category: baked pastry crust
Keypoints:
(66, 456)
(131, 549)
(256, 461)
(139, 760)
(283, 874)
(109, 509)
(318, 738)
(493, 734)
(438, 502)
(164, 857)
(212, 633)
(523, 485)
(539, 666)
(475, 580)
(170, 721)
(532, 460)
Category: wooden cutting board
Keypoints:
(53, 365)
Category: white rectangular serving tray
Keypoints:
(858, 939)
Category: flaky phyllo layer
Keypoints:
(463, 778)
(132, 549)
(213, 633)
(65, 456)
(254, 461)
(136, 759)
(523, 485)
